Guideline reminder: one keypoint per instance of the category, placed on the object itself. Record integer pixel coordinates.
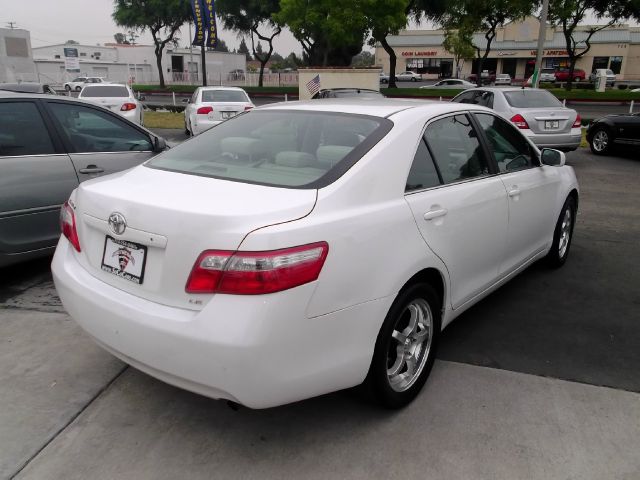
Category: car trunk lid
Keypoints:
(170, 218)
(548, 120)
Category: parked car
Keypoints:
(384, 78)
(28, 87)
(548, 75)
(210, 106)
(487, 77)
(47, 146)
(408, 77)
(562, 75)
(303, 248)
(348, 92)
(611, 77)
(612, 131)
(502, 79)
(451, 83)
(537, 113)
(77, 83)
(116, 97)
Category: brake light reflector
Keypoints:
(256, 273)
(577, 123)
(68, 225)
(204, 110)
(519, 121)
(128, 107)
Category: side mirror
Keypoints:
(159, 144)
(552, 157)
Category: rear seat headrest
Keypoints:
(239, 145)
(295, 159)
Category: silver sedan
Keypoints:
(539, 115)
(456, 83)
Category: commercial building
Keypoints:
(513, 51)
(135, 63)
(16, 62)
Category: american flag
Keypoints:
(313, 85)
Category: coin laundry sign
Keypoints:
(431, 53)
(204, 18)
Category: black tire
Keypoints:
(378, 383)
(78, 89)
(600, 141)
(67, 88)
(414, 79)
(557, 256)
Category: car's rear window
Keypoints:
(105, 91)
(527, 98)
(224, 96)
(283, 148)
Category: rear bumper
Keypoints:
(200, 126)
(260, 351)
(561, 141)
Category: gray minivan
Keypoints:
(48, 145)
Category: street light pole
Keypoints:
(542, 34)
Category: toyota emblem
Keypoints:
(117, 223)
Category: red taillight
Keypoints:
(247, 108)
(577, 123)
(127, 107)
(256, 273)
(204, 110)
(519, 121)
(68, 225)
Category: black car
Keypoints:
(347, 92)
(614, 130)
(28, 87)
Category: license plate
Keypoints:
(124, 259)
(551, 124)
(226, 115)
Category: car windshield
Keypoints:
(531, 99)
(224, 96)
(284, 148)
(105, 91)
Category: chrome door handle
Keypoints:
(91, 169)
(514, 192)
(436, 213)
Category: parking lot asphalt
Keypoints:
(70, 410)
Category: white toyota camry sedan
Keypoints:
(304, 248)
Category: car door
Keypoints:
(459, 206)
(99, 142)
(627, 129)
(36, 177)
(532, 190)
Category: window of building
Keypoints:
(616, 64)
(600, 62)
(56, 56)
(16, 47)
(83, 54)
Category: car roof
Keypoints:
(108, 85)
(375, 107)
(506, 89)
(237, 89)
(39, 96)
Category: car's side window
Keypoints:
(423, 173)
(466, 97)
(510, 149)
(456, 149)
(485, 99)
(23, 131)
(89, 130)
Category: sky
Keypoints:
(57, 21)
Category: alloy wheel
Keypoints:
(410, 345)
(565, 233)
(600, 141)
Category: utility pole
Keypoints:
(204, 66)
(11, 25)
(190, 57)
(542, 35)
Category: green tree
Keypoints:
(121, 39)
(221, 46)
(71, 42)
(484, 16)
(331, 32)
(162, 18)
(569, 14)
(255, 18)
(363, 59)
(460, 44)
(244, 49)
